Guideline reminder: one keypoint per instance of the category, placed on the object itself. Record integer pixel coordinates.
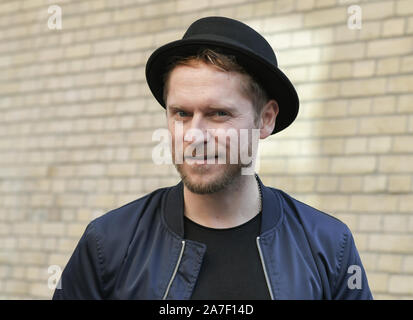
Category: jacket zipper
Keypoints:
(175, 271)
(264, 268)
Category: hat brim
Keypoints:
(273, 80)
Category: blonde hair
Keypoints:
(226, 63)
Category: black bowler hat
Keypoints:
(232, 37)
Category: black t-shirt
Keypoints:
(231, 268)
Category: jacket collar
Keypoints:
(173, 208)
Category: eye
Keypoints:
(221, 113)
(182, 114)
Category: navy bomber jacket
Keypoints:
(138, 252)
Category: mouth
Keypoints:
(201, 159)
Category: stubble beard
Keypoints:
(229, 177)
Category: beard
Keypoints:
(218, 182)
(214, 177)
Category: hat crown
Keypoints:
(232, 31)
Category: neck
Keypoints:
(230, 207)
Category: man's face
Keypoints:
(205, 98)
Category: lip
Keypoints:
(203, 160)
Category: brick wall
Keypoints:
(77, 120)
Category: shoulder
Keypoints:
(316, 222)
(124, 217)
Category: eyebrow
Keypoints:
(175, 108)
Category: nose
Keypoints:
(199, 134)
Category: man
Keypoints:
(219, 233)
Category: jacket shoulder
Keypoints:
(313, 219)
(124, 217)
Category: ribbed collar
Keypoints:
(173, 208)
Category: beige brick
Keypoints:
(355, 145)
(379, 144)
(308, 165)
(400, 84)
(406, 204)
(369, 260)
(391, 243)
(33, 258)
(282, 23)
(369, 30)
(403, 144)
(407, 263)
(340, 127)
(380, 125)
(397, 164)
(304, 5)
(405, 103)
(393, 27)
(378, 282)
(41, 200)
(188, 5)
(310, 91)
(119, 76)
(15, 287)
(268, 166)
(101, 200)
(363, 68)
(401, 284)
(383, 105)
(304, 184)
(374, 183)
(361, 240)
(360, 106)
(325, 17)
(122, 169)
(351, 165)
(370, 223)
(341, 70)
(69, 200)
(389, 47)
(388, 66)
(373, 203)
(76, 51)
(404, 7)
(327, 184)
(52, 229)
(75, 229)
(318, 72)
(400, 183)
(323, 36)
(332, 146)
(300, 56)
(396, 223)
(88, 170)
(338, 52)
(41, 290)
(351, 184)
(389, 263)
(365, 87)
(25, 228)
(351, 220)
(378, 10)
(332, 203)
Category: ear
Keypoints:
(268, 117)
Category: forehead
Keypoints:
(200, 81)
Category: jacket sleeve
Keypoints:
(351, 280)
(82, 276)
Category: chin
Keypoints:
(208, 179)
